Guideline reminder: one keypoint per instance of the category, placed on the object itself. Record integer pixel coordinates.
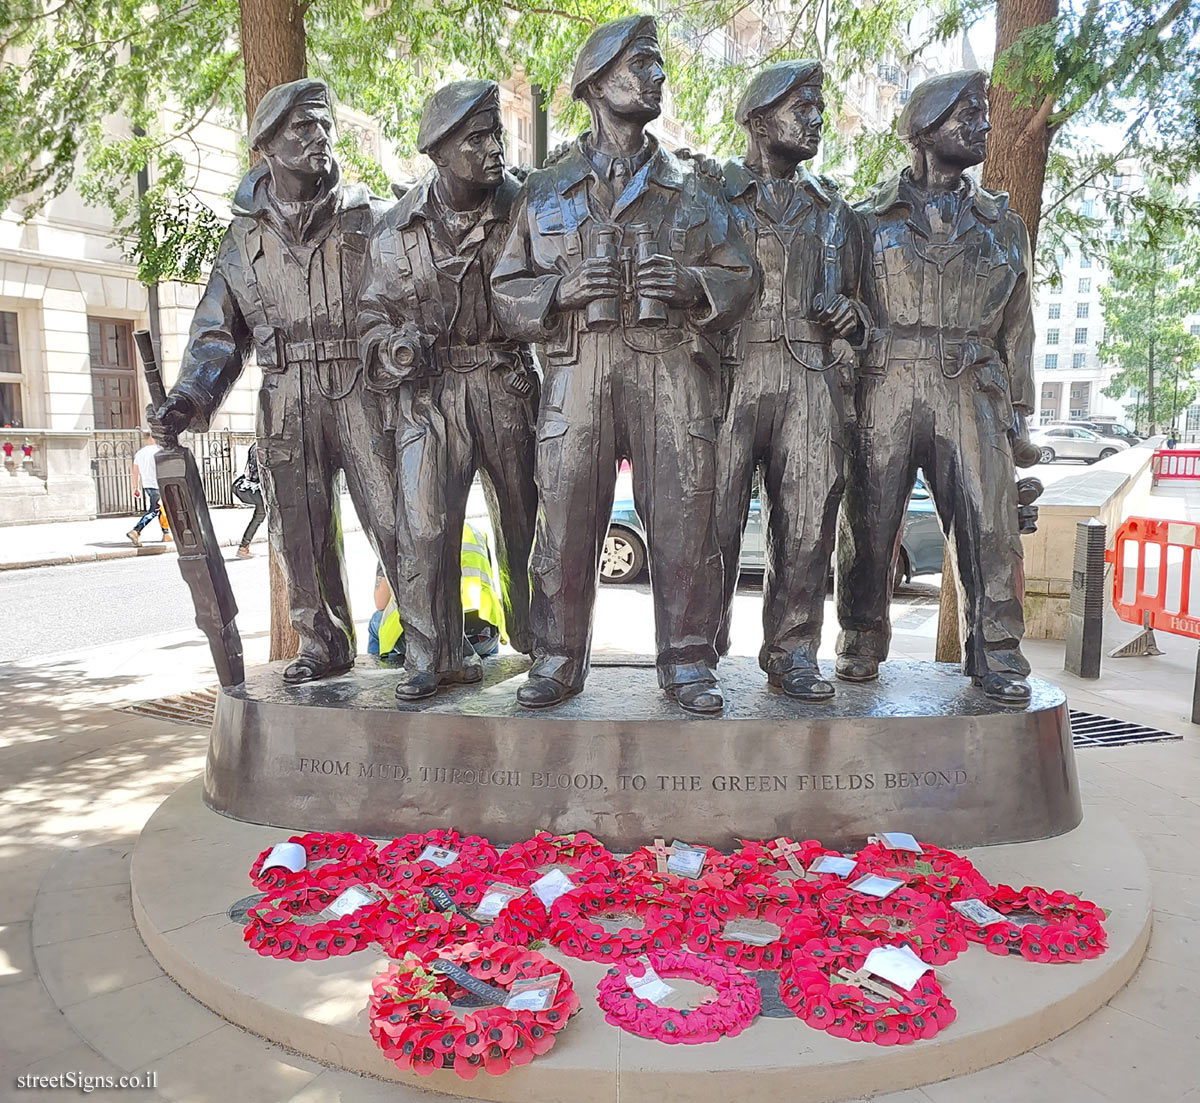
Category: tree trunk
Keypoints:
(1020, 139)
(273, 52)
(273, 46)
(949, 646)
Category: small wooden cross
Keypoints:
(661, 853)
(788, 850)
(860, 978)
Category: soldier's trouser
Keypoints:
(447, 429)
(789, 419)
(658, 410)
(910, 417)
(304, 439)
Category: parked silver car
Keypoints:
(624, 556)
(1070, 442)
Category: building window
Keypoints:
(1194, 329)
(1085, 286)
(1054, 310)
(1051, 361)
(1085, 262)
(10, 372)
(1079, 411)
(1081, 335)
(1088, 208)
(114, 380)
(1079, 360)
(1082, 310)
(1052, 336)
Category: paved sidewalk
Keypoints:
(79, 779)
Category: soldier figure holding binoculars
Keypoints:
(460, 395)
(624, 265)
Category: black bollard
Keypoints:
(1085, 620)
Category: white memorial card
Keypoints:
(832, 863)
(289, 856)
(649, 986)
(533, 993)
(496, 899)
(687, 861)
(896, 964)
(549, 888)
(753, 932)
(977, 912)
(351, 900)
(438, 855)
(900, 840)
(873, 885)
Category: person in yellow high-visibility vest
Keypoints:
(483, 613)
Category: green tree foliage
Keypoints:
(77, 70)
(1154, 285)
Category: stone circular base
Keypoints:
(190, 867)
(920, 749)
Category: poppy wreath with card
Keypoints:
(1066, 928)
(574, 930)
(764, 861)
(941, 873)
(276, 927)
(414, 1024)
(905, 917)
(522, 920)
(641, 866)
(736, 1003)
(345, 859)
(409, 923)
(400, 865)
(811, 986)
(586, 856)
(787, 907)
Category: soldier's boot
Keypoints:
(704, 697)
(857, 668)
(540, 692)
(422, 682)
(802, 682)
(310, 667)
(1008, 689)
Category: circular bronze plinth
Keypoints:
(918, 750)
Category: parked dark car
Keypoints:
(624, 557)
(1103, 427)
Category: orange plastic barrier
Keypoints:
(1175, 463)
(1154, 565)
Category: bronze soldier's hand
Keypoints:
(595, 278)
(839, 316)
(172, 417)
(664, 278)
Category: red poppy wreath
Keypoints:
(345, 858)
(415, 1025)
(282, 926)
(1048, 927)
(941, 873)
(903, 918)
(768, 861)
(409, 923)
(521, 920)
(733, 1008)
(641, 866)
(426, 857)
(716, 924)
(811, 985)
(574, 929)
(587, 858)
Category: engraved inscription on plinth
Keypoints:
(937, 760)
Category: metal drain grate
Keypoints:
(1090, 730)
(186, 708)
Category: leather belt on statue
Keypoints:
(799, 330)
(306, 352)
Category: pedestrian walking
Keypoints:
(249, 489)
(145, 479)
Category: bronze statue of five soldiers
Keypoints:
(704, 325)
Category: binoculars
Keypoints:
(603, 314)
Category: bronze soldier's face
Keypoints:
(304, 144)
(792, 127)
(962, 138)
(474, 150)
(632, 86)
